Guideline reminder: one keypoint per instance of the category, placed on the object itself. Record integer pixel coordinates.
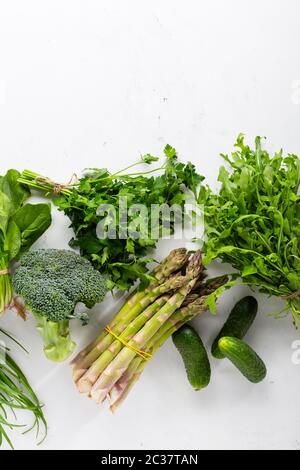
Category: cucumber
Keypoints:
(244, 358)
(194, 356)
(238, 323)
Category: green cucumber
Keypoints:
(238, 323)
(244, 358)
(194, 356)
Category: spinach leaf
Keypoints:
(20, 226)
(32, 221)
(12, 243)
(5, 212)
(16, 193)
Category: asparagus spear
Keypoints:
(191, 308)
(121, 393)
(120, 322)
(116, 368)
(106, 339)
(132, 374)
(115, 377)
(97, 361)
(93, 375)
(172, 263)
(86, 378)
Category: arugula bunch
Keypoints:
(20, 226)
(253, 222)
(121, 257)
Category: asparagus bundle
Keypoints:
(112, 364)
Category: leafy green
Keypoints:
(32, 221)
(149, 159)
(253, 222)
(16, 193)
(16, 394)
(20, 226)
(13, 242)
(122, 254)
(5, 212)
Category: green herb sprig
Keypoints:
(16, 394)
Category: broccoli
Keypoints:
(52, 282)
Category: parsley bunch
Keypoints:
(253, 222)
(122, 257)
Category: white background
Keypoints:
(96, 83)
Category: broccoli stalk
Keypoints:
(51, 283)
(58, 345)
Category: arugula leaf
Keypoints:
(253, 222)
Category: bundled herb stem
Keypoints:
(5, 285)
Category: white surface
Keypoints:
(95, 83)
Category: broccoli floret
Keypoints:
(52, 282)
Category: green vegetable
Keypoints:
(52, 282)
(121, 257)
(244, 358)
(32, 221)
(20, 226)
(16, 394)
(194, 356)
(112, 363)
(253, 223)
(238, 323)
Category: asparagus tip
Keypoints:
(195, 267)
